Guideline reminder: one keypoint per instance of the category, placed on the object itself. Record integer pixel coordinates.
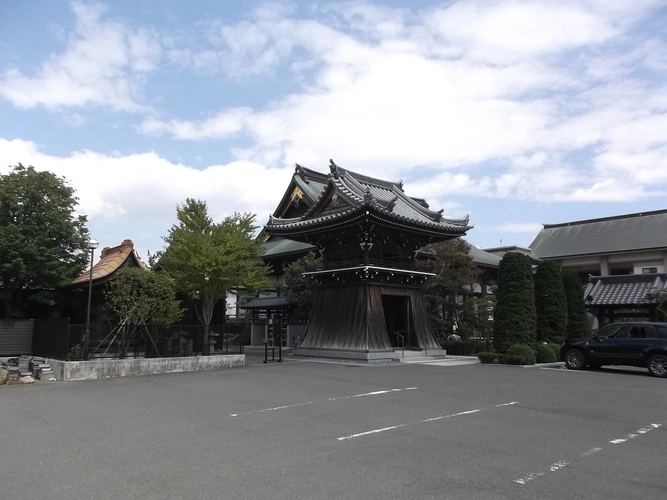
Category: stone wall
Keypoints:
(68, 371)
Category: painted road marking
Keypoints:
(534, 475)
(375, 393)
(638, 432)
(426, 420)
(562, 463)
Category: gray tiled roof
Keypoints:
(641, 231)
(627, 289)
(483, 258)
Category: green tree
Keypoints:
(206, 259)
(297, 288)
(550, 303)
(455, 271)
(138, 299)
(577, 324)
(478, 317)
(42, 240)
(514, 317)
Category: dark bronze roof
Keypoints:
(357, 194)
(623, 233)
(625, 290)
(267, 303)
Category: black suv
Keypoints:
(630, 344)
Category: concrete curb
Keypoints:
(557, 364)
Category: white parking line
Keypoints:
(375, 393)
(534, 475)
(271, 409)
(426, 420)
(638, 432)
(562, 463)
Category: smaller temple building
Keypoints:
(368, 303)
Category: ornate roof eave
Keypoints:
(298, 226)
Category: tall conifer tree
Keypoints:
(514, 319)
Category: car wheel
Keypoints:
(657, 365)
(574, 359)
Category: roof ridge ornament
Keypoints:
(392, 204)
(299, 171)
(368, 197)
(400, 184)
(334, 169)
(438, 215)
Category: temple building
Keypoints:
(368, 303)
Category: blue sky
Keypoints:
(515, 112)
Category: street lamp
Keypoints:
(92, 245)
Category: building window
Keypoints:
(649, 270)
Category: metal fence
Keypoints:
(60, 340)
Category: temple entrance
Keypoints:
(398, 319)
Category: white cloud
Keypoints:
(123, 193)
(496, 88)
(519, 227)
(105, 63)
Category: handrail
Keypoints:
(402, 342)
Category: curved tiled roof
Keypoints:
(387, 200)
(625, 290)
(111, 260)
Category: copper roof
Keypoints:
(625, 290)
(111, 260)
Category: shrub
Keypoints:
(463, 347)
(556, 349)
(489, 357)
(544, 354)
(522, 351)
(513, 359)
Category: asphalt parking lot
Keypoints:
(316, 430)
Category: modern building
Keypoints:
(621, 259)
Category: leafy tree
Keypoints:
(43, 243)
(455, 271)
(550, 303)
(478, 317)
(298, 289)
(577, 325)
(514, 317)
(140, 298)
(207, 259)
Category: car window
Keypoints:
(662, 331)
(615, 332)
(647, 332)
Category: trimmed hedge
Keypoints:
(556, 349)
(544, 354)
(520, 354)
(463, 347)
(490, 357)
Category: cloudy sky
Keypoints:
(515, 112)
